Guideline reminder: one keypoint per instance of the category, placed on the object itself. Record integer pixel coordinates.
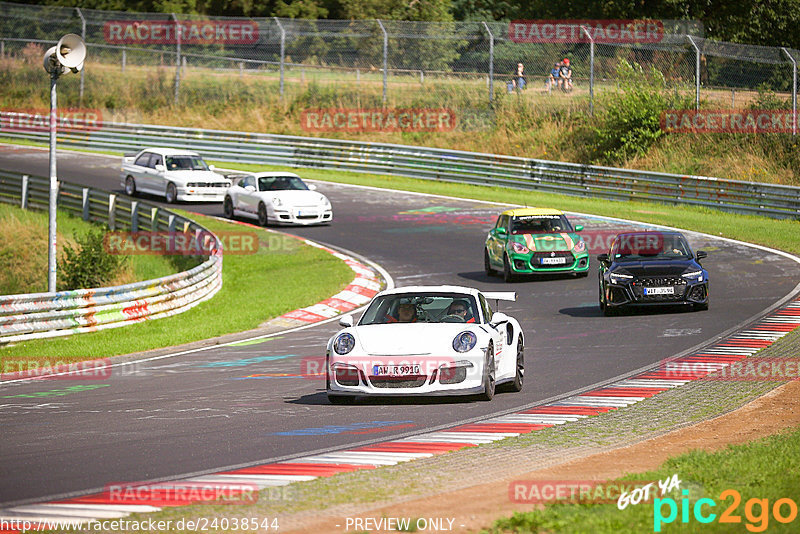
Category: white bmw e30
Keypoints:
(277, 198)
(426, 340)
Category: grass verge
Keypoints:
(764, 471)
(23, 251)
(282, 275)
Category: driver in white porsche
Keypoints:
(461, 308)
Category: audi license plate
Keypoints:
(396, 370)
(558, 260)
(659, 291)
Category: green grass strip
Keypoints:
(283, 275)
(765, 470)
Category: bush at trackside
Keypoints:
(629, 121)
(88, 264)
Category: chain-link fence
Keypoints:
(381, 62)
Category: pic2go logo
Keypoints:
(783, 510)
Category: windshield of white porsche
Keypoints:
(281, 183)
(421, 308)
(186, 163)
(540, 224)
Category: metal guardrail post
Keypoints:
(591, 70)
(154, 219)
(385, 58)
(696, 73)
(134, 215)
(85, 204)
(83, 36)
(491, 62)
(794, 90)
(112, 211)
(283, 49)
(178, 31)
(24, 201)
(171, 223)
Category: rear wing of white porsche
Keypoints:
(501, 295)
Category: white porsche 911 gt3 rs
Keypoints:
(426, 340)
(277, 198)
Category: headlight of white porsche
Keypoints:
(464, 342)
(325, 202)
(344, 343)
(276, 201)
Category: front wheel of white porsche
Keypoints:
(519, 376)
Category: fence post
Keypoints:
(385, 57)
(134, 215)
(491, 62)
(696, 73)
(591, 70)
(83, 36)
(85, 204)
(124, 58)
(794, 90)
(178, 32)
(112, 211)
(24, 201)
(283, 49)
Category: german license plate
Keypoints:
(306, 213)
(558, 260)
(396, 370)
(659, 291)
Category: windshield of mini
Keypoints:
(186, 163)
(421, 308)
(281, 183)
(650, 246)
(540, 224)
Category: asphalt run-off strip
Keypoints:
(722, 356)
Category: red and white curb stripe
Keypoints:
(611, 397)
(358, 293)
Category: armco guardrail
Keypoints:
(431, 163)
(44, 315)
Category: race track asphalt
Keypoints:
(250, 403)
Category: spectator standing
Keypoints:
(518, 80)
(565, 76)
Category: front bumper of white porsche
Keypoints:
(460, 374)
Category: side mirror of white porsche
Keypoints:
(250, 188)
(312, 187)
(346, 321)
(498, 317)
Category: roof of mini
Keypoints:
(518, 212)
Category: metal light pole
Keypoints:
(67, 55)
